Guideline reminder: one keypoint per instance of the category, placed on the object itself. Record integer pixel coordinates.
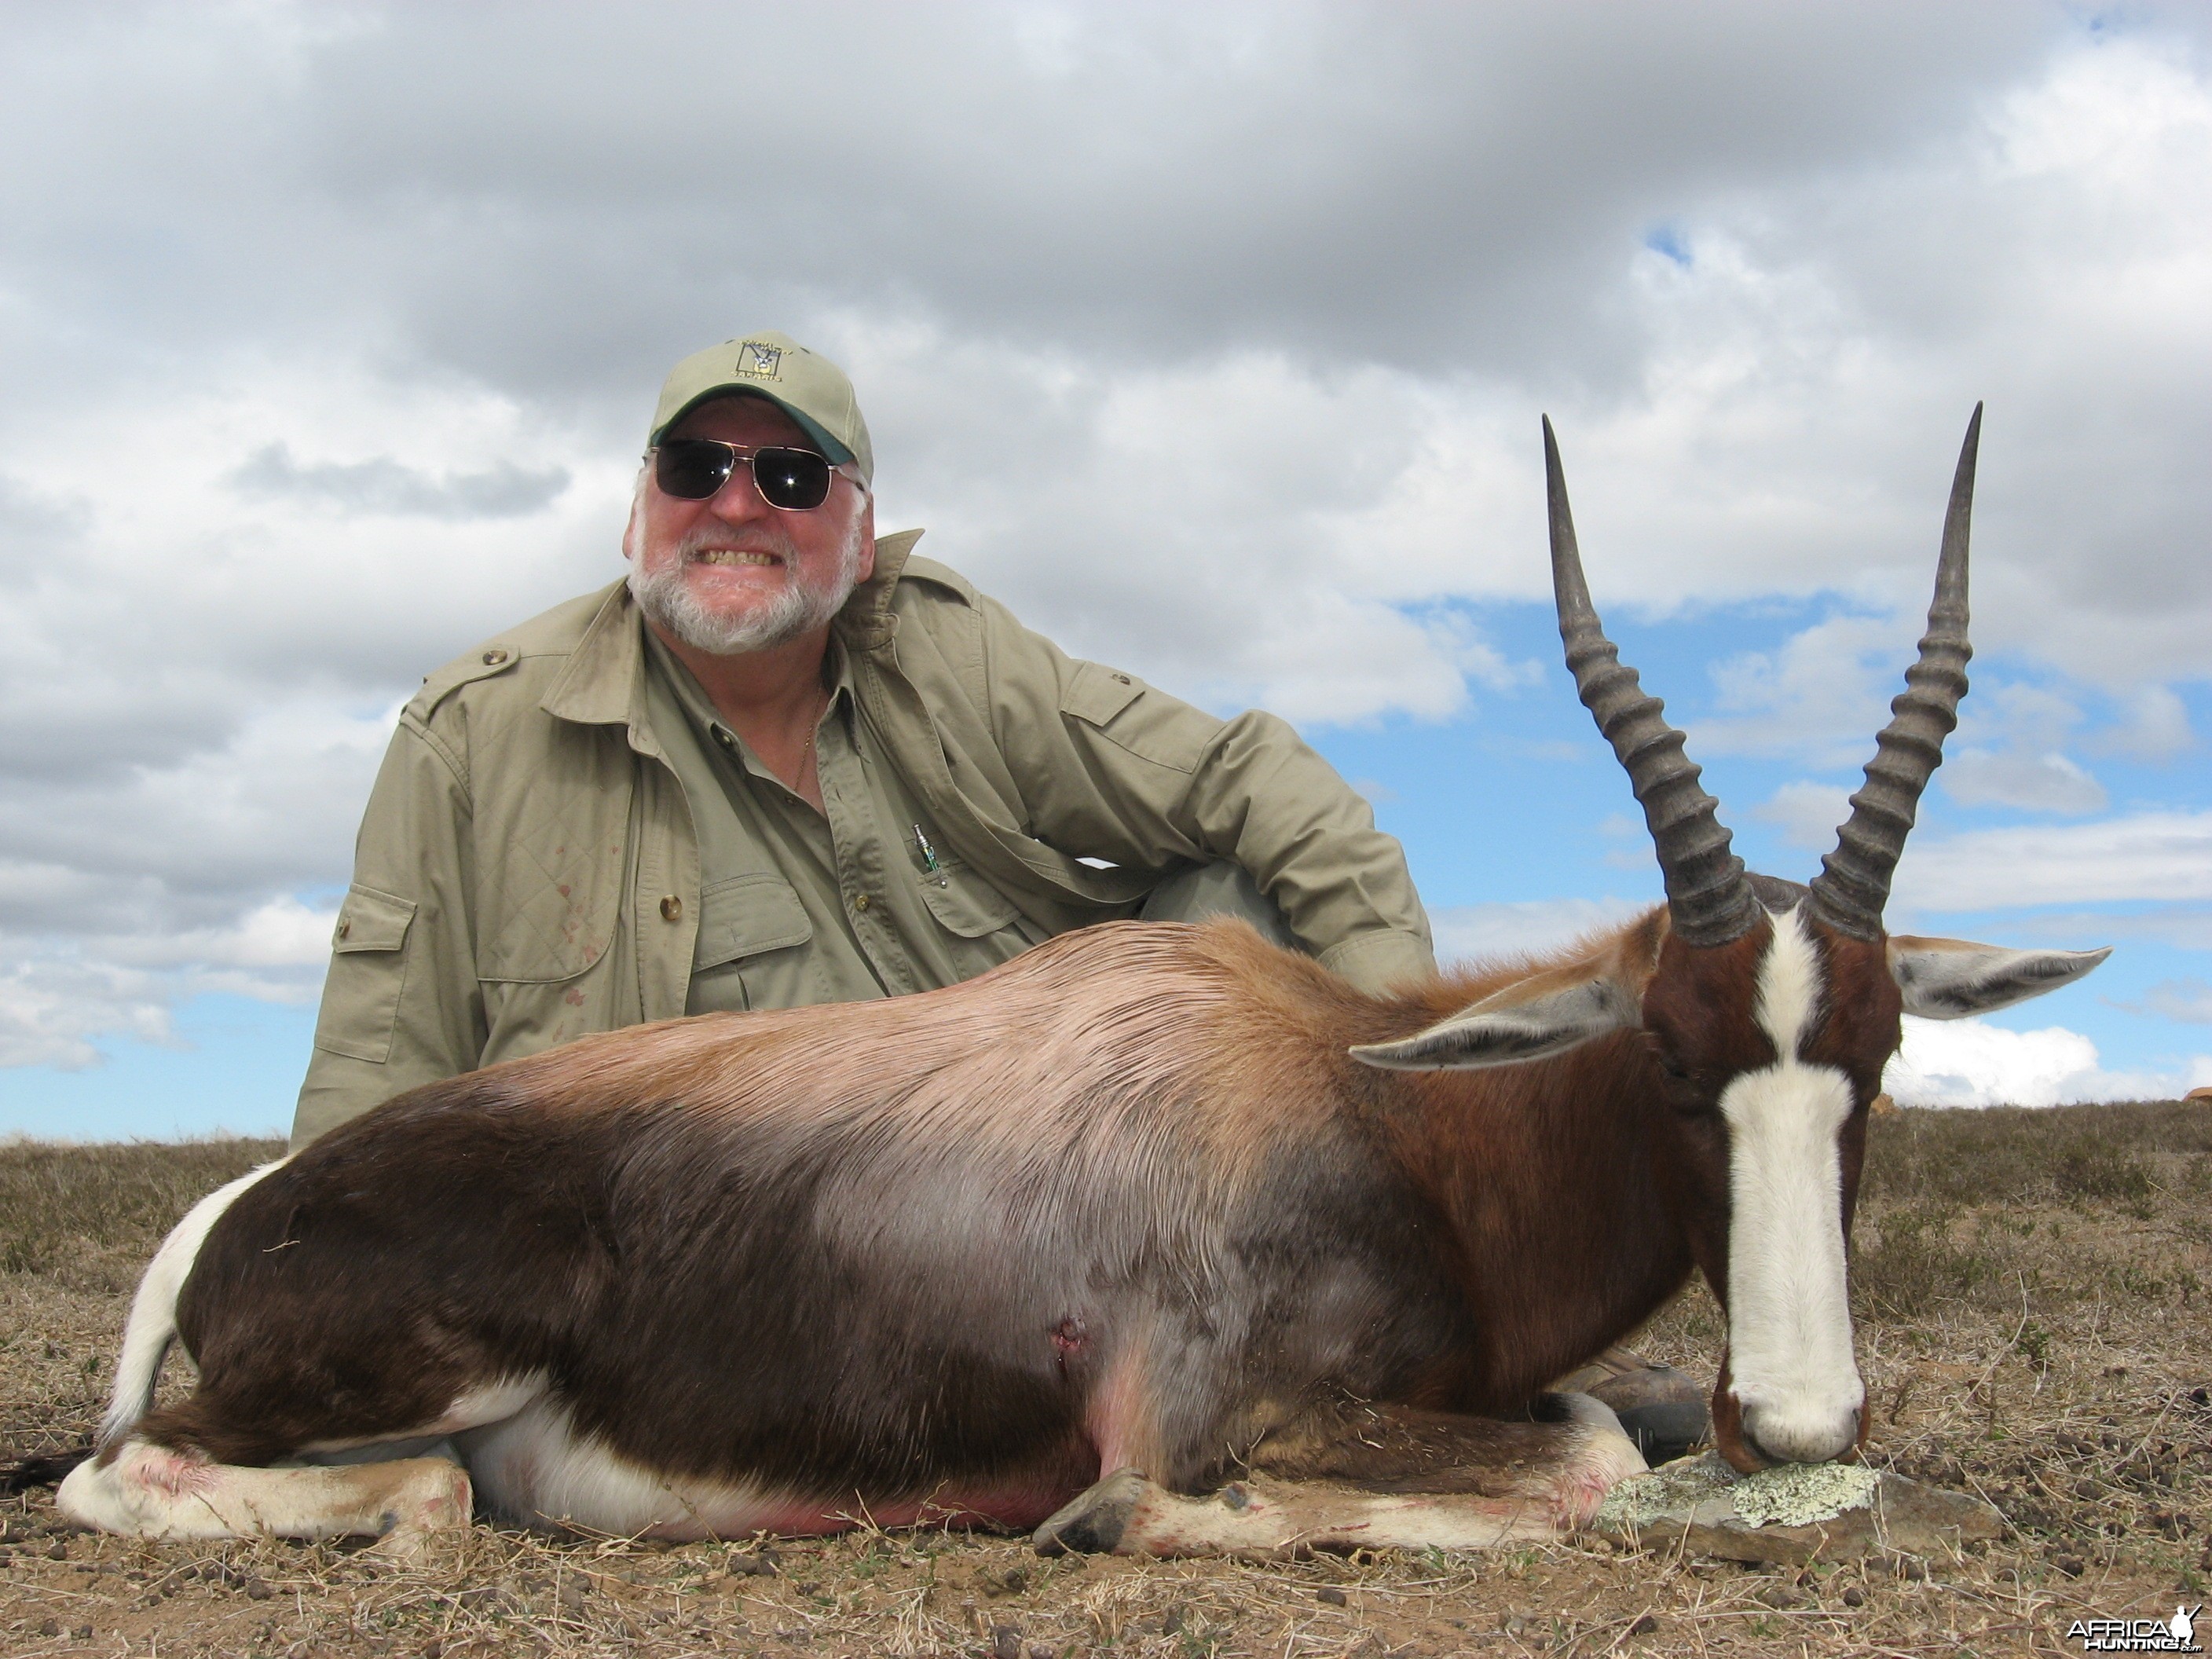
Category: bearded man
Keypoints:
(786, 762)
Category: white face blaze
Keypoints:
(1790, 1322)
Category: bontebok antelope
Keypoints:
(1148, 1210)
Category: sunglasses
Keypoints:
(696, 469)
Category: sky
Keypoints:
(1210, 338)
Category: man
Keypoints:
(786, 762)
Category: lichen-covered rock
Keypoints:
(1791, 1515)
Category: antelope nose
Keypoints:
(1785, 1437)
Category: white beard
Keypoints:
(798, 609)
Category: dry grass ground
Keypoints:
(2032, 1290)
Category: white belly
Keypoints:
(534, 1468)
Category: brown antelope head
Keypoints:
(1770, 1010)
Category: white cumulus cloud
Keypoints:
(1968, 1062)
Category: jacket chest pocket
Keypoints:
(743, 923)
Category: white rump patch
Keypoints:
(152, 1325)
(1790, 1323)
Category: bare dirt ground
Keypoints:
(2032, 1289)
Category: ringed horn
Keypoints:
(1708, 897)
(1853, 886)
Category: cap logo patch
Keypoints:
(761, 362)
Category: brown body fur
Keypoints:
(1127, 1199)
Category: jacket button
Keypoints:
(859, 901)
(672, 908)
(494, 657)
(345, 927)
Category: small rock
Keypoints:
(1644, 1626)
(1854, 1597)
(256, 1588)
(50, 1628)
(1912, 1567)
(1006, 1641)
(1792, 1516)
(1774, 1596)
(2069, 1564)
(2087, 1490)
(58, 1551)
(82, 1633)
(574, 1595)
(1334, 1597)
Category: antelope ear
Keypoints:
(1521, 1022)
(1949, 978)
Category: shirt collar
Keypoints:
(699, 708)
(867, 622)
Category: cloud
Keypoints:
(2155, 726)
(1806, 813)
(385, 486)
(1213, 341)
(1819, 700)
(2189, 1000)
(2012, 753)
(2187, 928)
(1968, 1063)
(2045, 782)
(1470, 932)
(2162, 857)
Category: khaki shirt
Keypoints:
(530, 869)
(856, 901)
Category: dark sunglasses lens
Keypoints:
(793, 479)
(691, 469)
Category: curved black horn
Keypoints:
(1708, 897)
(1853, 886)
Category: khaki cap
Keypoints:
(805, 385)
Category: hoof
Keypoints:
(1660, 1408)
(1667, 1431)
(1093, 1523)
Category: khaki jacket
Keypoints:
(527, 872)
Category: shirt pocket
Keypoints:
(368, 969)
(964, 904)
(1132, 716)
(740, 920)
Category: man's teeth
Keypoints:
(733, 555)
